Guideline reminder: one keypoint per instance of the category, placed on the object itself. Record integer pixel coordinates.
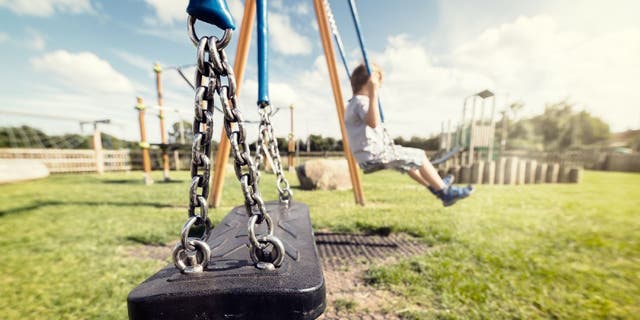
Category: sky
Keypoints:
(89, 59)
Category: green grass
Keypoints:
(526, 252)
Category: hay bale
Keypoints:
(324, 174)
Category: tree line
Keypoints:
(560, 127)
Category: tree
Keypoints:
(177, 135)
(558, 128)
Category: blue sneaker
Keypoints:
(447, 180)
(450, 195)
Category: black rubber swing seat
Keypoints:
(231, 287)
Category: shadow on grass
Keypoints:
(124, 181)
(150, 239)
(42, 204)
(169, 181)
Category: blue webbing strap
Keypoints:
(263, 70)
(356, 22)
(215, 12)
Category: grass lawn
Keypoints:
(525, 252)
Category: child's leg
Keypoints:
(430, 175)
(415, 175)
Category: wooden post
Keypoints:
(329, 55)
(541, 173)
(500, 167)
(575, 175)
(503, 132)
(511, 171)
(163, 134)
(471, 126)
(97, 148)
(552, 173)
(144, 145)
(242, 51)
(477, 172)
(493, 129)
(530, 172)
(176, 159)
(489, 175)
(292, 143)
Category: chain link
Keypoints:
(266, 133)
(192, 255)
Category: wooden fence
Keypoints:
(65, 160)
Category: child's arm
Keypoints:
(373, 115)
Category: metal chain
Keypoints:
(266, 132)
(192, 255)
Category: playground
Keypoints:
(147, 171)
(74, 246)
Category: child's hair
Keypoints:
(359, 78)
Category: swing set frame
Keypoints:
(242, 53)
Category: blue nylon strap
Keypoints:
(356, 22)
(215, 12)
(263, 47)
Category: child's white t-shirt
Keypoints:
(366, 143)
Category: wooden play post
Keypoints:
(163, 134)
(242, 51)
(292, 143)
(329, 55)
(144, 145)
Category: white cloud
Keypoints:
(134, 60)
(169, 11)
(174, 11)
(302, 8)
(47, 8)
(84, 72)
(533, 59)
(35, 40)
(285, 38)
(536, 59)
(237, 9)
(4, 37)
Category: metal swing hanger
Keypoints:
(267, 142)
(260, 261)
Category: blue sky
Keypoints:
(89, 59)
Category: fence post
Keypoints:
(97, 148)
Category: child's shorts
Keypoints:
(400, 158)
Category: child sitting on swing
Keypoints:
(367, 140)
